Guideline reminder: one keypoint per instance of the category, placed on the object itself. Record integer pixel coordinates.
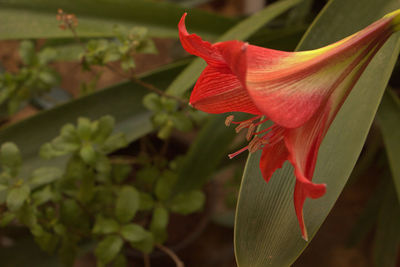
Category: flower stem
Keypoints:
(171, 254)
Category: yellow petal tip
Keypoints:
(395, 17)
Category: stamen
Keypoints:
(231, 156)
(267, 137)
(265, 130)
(229, 120)
(261, 122)
(251, 119)
(243, 125)
(250, 131)
(254, 144)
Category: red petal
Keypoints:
(290, 87)
(272, 158)
(194, 45)
(217, 91)
(303, 144)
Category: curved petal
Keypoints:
(303, 144)
(272, 158)
(290, 87)
(194, 45)
(217, 91)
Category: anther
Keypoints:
(229, 120)
(254, 144)
(250, 131)
(243, 125)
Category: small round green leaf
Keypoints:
(158, 225)
(17, 196)
(108, 248)
(45, 175)
(127, 204)
(133, 232)
(188, 202)
(10, 157)
(88, 154)
(164, 185)
(105, 225)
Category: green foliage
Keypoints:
(127, 204)
(133, 232)
(99, 52)
(34, 78)
(268, 207)
(389, 120)
(108, 248)
(159, 222)
(89, 141)
(188, 202)
(93, 198)
(167, 115)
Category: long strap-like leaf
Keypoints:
(267, 232)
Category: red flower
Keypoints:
(300, 92)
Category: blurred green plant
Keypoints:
(169, 115)
(94, 199)
(34, 78)
(99, 52)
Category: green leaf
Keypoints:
(108, 248)
(133, 232)
(186, 203)
(45, 175)
(43, 195)
(105, 226)
(71, 214)
(241, 31)
(146, 201)
(25, 19)
(164, 185)
(27, 52)
(389, 120)
(146, 176)
(152, 102)
(130, 116)
(84, 128)
(6, 218)
(104, 130)
(267, 232)
(146, 245)
(127, 203)
(120, 172)
(205, 154)
(159, 223)
(10, 158)
(49, 76)
(88, 154)
(181, 122)
(47, 55)
(17, 196)
(47, 241)
(114, 142)
(387, 237)
(166, 130)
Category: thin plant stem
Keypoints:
(146, 260)
(171, 254)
